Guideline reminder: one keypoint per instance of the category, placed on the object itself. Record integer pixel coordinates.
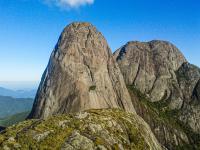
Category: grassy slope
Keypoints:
(8, 121)
(109, 128)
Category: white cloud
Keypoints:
(70, 3)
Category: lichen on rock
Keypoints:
(101, 129)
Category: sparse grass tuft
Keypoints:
(110, 128)
(92, 88)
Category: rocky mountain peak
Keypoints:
(83, 35)
(159, 51)
(146, 64)
(81, 75)
(160, 71)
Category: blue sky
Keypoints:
(29, 29)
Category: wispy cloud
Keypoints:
(69, 3)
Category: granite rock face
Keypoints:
(82, 74)
(168, 132)
(160, 71)
(189, 82)
(150, 67)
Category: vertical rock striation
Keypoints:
(151, 66)
(160, 71)
(81, 75)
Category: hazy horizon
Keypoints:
(19, 85)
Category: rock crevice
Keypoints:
(82, 74)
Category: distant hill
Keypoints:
(18, 93)
(10, 120)
(10, 106)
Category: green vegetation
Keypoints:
(10, 106)
(162, 114)
(158, 109)
(8, 121)
(108, 128)
(92, 88)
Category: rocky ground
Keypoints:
(94, 129)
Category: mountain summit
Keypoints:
(82, 74)
(151, 67)
(159, 72)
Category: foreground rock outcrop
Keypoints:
(88, 130)
(158, 70)
(81, 75)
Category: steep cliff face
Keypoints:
(104, 129)
(163, 124)
(81, 75)
(151, 67)
(189, 82)
(158, 70)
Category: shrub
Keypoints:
(93, 87)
